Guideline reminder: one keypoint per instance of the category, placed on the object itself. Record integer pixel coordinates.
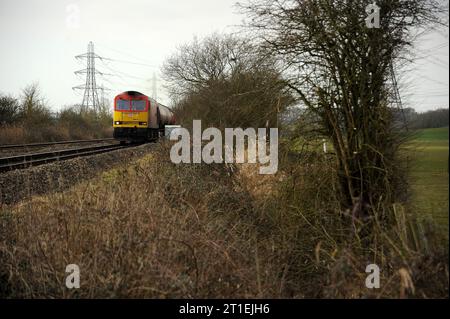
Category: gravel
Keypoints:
(17, 185)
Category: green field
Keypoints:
(429, 174)
(428, 153)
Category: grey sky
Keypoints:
(41, 37)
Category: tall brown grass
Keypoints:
(30, 120)
(159, 230)
(11, 134)
(19, 133)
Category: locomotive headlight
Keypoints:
(117, 122)
(142, 123)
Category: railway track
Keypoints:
(34, 159)
(9, 146)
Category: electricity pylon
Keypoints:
(90, 97)
(396, 99)
(154, 89)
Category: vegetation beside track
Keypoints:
(28, 119)
(21, 184)
(156, 229)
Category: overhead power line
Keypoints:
(128, 55)
(116, 78)
(91, 95)
(131, 62)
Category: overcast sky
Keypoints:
(40, 38)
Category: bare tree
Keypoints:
(340, 69)
(9, 109)
(226, 81)
(33, 106)
(430, 119)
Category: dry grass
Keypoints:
(18, 133)
(11, 134)
(153, 230)
(159, 230)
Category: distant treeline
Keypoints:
(28, 118)
(414, 120)
(428, 119)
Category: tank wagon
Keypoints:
(139, 118)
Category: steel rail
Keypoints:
(29, 160)
(6, 146)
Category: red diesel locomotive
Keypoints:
(139, 118)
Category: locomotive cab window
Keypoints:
(123, 105)
(138, 105)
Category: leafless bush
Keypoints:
(226, 81)
(29, 119)
(9, 110)
(341, 69)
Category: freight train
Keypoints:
(139, 118)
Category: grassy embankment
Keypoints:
(429, 174)
(156, 229)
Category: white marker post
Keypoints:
(169, 128)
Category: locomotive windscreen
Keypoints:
(138, 105)
(123, 105)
